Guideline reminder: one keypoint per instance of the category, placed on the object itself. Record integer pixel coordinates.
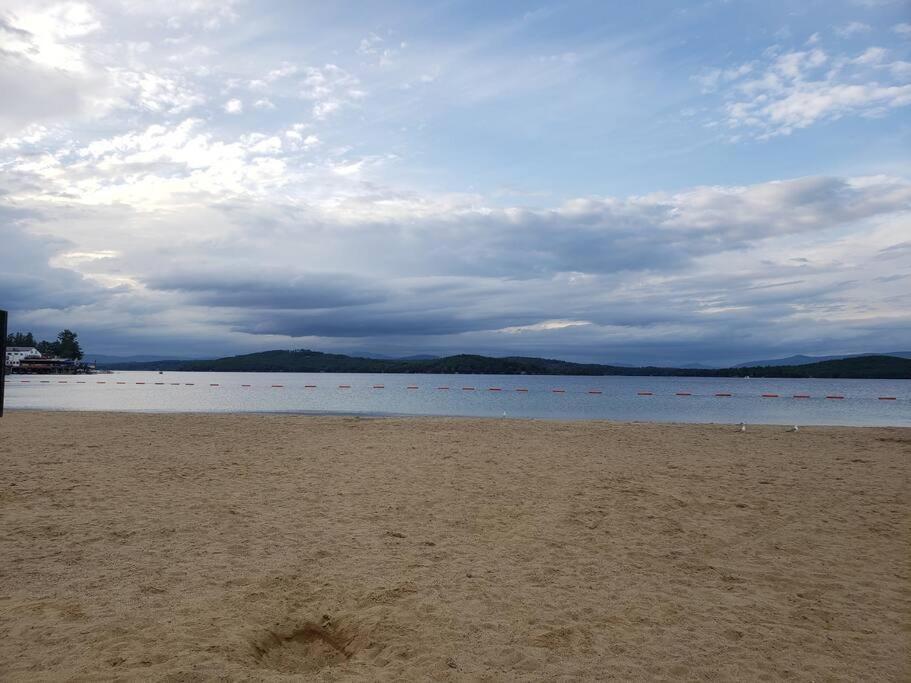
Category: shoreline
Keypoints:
(410, 416)
(748, 378)
(263, 546)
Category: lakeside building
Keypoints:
(27, 360)
(15, 355)
(52, 366)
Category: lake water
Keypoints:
(611, 398)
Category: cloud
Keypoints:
(652, 232)
(162, 164)
(247, 288)
(793, 90)
(209, 15)
(330, 88)
(27, 280)
(43, 76)
(44, 35)
(376, 49)
(58, 65)
(351, 196)
(544, 325)
(711, 79)
(852, 28)
(155, 92)
(592, 268)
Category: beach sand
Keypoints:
(270, 547)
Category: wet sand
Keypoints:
(267, 547)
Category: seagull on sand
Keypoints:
(795, 428)
(743, 427)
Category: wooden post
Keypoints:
(2, 358)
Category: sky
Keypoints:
(651, 182)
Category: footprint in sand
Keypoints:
(308, 647)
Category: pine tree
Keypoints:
(20, 339)
(67, 345)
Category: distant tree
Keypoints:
(47, 348)
(20, 339)
(67, 345)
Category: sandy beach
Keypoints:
(276, 547)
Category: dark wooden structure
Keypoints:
(2, 357)
(49, 366)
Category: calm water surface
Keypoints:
(619, 397)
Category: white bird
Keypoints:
(743, 427)
(795, 428)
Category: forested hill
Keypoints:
(863, 367)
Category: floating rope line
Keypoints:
(495, 389)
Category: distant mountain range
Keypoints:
(380, 356)
(101, 359)
(860, 367)
(803, 360)
(107, 360)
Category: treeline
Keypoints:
(65, 346)
(862, 367)
(859, 367)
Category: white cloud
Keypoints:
(161, 166)
(900, 70)
(348, 168)
(29, 136)
(45, 72)
(544, 326)
(257, 143)
(210, 15)
(711, 79)
(59, 64)
(796, 89)
(370, 45)
(902, 29)
(299, 139)
(871, 56)
(852, 28)
(322, 109)
(285, 70)
(234, 106)
(156, 92)
(330, 88)
(374, 47)
(45, 35)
